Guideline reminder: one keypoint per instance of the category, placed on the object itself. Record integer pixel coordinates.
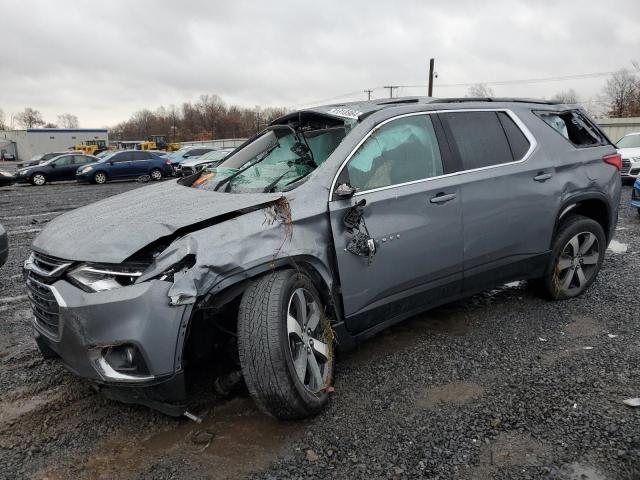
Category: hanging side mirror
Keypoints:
(344, 190)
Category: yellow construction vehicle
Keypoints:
(91, 147)
(158, 142)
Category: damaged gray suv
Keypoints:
(328, 226)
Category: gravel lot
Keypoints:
(503, 385)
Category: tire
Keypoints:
(99, 178)
(38, 179)
(570, 273)
(156, 174)
(268, 342)
(639, 211)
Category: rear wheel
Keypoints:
(576, 257)
(285, 344)
(38, 179)
(99, 178)
(156, 174)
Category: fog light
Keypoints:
(123, 363)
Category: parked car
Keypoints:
(186, 153)
(4, 246)
(194, 165)
(635, 195)
(60, 168)
(6, 178)
(325, 228)
(41, 158)
(7, 157)
(629, 149)
(123, 164)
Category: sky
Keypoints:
(102, 61)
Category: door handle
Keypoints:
(443, 197)
(541, 177)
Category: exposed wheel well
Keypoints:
(591, 208)
(213, 323)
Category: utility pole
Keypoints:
(391, 87)
(431, 66)
(368, 92)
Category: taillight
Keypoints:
(167, 162)
(614, 159)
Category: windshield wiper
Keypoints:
(273, 184)
(234, 175)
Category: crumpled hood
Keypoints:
(111, 230)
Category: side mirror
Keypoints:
(344, 190)
(111, 162)
(53, 165)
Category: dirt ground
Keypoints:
(503, 385)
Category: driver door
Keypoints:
(411, 217)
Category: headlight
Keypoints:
(5, 174)
(85, 169)
(635, 159)
(97, 278)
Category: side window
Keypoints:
(122, 157)
(517, 140)
(140, 155)
(573, 126)
(479, 138)
(400, 151)
(64, 161)
(81, 160)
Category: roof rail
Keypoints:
(493, 99)
(398, 101)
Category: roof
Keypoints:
(67, 130)
(360, 110)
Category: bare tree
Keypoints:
(50, 125)
(566, 96)
(29, 118)
(480, 90)
(67, 120)
(622, 92)
(3, 126)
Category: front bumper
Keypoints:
(630, 168)
(87, 324)
(84, 177)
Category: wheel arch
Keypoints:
(592, 205)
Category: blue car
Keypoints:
(635, 195)
(123, 164)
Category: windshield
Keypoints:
(35, 158)
(276, 160)
(629, 141)
(177, 155)
(214, 156)
(108, 155)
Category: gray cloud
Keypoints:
(102, 61)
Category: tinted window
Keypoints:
(141, 155)
(517, 141)
(573, 126)
(64, 161)
(122, 157)
(400, 151)
(81, 159)
(479, 138)
(197, 152)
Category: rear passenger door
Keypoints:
(413, 219)
(509, 196)
(141, 164)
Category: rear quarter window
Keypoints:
(574, 127)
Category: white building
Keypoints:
(24, 144)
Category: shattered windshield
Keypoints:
(277, 160)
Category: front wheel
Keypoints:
(576, 257)
(38, 179)
(99, 178)
(285, 344)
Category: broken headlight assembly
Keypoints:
(97, 278)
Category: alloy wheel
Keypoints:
(100, 177)
(309, 351)
(156, 175)
(38, 179)
(578, 262)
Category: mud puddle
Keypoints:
(232, 441)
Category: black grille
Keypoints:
(626, 165)
(43, 303)
(42, 271)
